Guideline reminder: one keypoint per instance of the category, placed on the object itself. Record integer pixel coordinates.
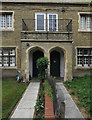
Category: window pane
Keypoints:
(86, 51)
(90, 61)
(40, 22)
(83, 22)
(12, 52)
(85, 61)
(0, 61)
(6, 61)
(90, 51)
(9, 21)
(52, 23)
(5, 52)
(79, 52)
(2, 21)
(12, 61)
(89, 20)
(79, 61)
(0, 52)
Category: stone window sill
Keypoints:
(80, 67)
(4, 30)
(8, 67)
(79, 30)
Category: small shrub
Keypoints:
(40, 104)
(72, 93)
(48, 89)
(42, 65)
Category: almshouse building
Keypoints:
(60, 30)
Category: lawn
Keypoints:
(11, 92)
(81, 87)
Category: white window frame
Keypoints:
(79, 21)
(48, 20)
(36, 21)
(91, 61)
(85, 61)
(7, 28)
(12, 61)
(5, 61)
(8, 65)
(85, 66)
(78, 60)
(0, 61)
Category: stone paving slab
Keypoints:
(71, 110)
(25, 108)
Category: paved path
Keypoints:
(71, 110)
(25, 108)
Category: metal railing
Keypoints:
(58, 99)
(55, 25)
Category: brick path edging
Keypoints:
(49, 113)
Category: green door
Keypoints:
(55, 64)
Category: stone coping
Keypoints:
(48, 1)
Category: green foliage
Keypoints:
(11, 92)
(72, 93)
(48, 89)
(42, 65)
(82, 86)
(40, 104)
(90, 4)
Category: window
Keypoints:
(43, 24)
(5, 61)
(52, 22)
(84, 57)
(0, 52)
(12, 61)
(40, 22)
(86, 22)
(0, 61)
(7, 57)
(90, 61)
(6, 20)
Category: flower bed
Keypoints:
(44, 104)
(40, 104)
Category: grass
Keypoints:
(81, 87)
(48, 89)
(11, 92)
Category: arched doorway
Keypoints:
(57, 62)
(33, 53)
(37, 54)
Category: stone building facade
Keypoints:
(59, 30)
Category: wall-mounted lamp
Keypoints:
(28, 44)
(63, 9)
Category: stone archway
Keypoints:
(30, 53)
(57, 62)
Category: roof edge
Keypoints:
(48, 1)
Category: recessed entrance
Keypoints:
(37, 54)
(55, 63)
